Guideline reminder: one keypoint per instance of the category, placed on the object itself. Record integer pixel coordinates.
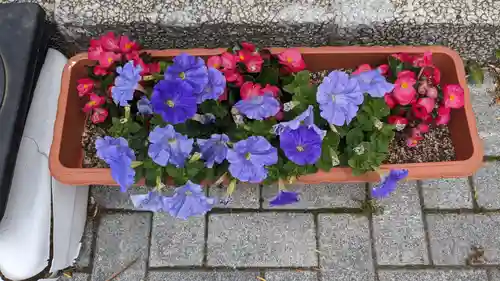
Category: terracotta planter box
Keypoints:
(66, 153)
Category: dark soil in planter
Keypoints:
(90, 134)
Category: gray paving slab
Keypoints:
(433, 275)
(261, 239)
(345, 247)
(245, 196)
(176, 242)
(77, 276)
(452, 237)
(488, 125)
(83, 259)
(399, 231)
(487, 184)
(110, 197)
(291, 275)
(319, 196)
(447, 193)
(121, 239)
(494, 275)
(203, 276)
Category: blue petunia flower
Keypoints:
(215, 86)
(284, 197)
(189, 200)
(373, 83)
(152, 201)
(125, 83)
(388, 183)
(259, 107)
(305, 118)
(144, 106)
(188, 70)
(174, 101)
(302, 146)
(339, 98)
(213, 150)
(249, 157)
(116, 153)
(168, 146)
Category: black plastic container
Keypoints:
(23, 46)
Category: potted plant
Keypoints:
(311, 115)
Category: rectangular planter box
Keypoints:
(66, 153)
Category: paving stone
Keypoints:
(345, 248)
(319, 196)
(399, 231)
(432, 275)
(122, 238)
(447, 193)
(177, 242)
(77, 276)
(291, 276)
(245, 196)
(494, 275)
(261, 239)
(452, 237)
(202, 276)
(488, 186)
(488, 125)
(110, 197)
(83, 259)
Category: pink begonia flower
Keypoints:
(233, 76)
(389, 100)
(270, 88)
(384, 69)
(427, 103)
(100, 71)
(110, 43)
(249, 90)
(404, 92)
(453, 96)
(94, 102)
(398, 121)
(432, 92)
(443, 115)
(254, 64)
(423, 60)
(422, 87)
(85, 86)
(362, 68)
(127, 46)
(215, 62)
(292, 59)
(432, 74)
(248, 47)
(228, 61)
(108, 58)
(99, 115)
(423, 127)
(223, 97)
(422, 108)
(95, 50)
(403, 57)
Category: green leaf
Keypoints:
(173, 171)
(365, 122)
(354, 137)
(332, 139)
(395, 66)
(107, 82)
(302, 78)
(376, 107)
(139, 173)
(268, 75)
(133, 127)
(193, 168)
(157, 120)
(261, 128)
(476, 75)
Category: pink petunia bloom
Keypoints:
(85, 86)
(248, 47)
(127, 46)
(215, 62)
(424, 60)
(432, 92)
(249, 90)
(94, 101)
(384, 69)
(362, 68)
(443, 115)
(453, 96)
(404, 92)
(110, 43)
(389, 100)
(100, 71)
(432, 74)
(272, 89)
(292, 59)
(108, 58)
(99, 115)
(228, 61)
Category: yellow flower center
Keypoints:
(128, 46)
(110, 60)
(92, 102)
(452, 97)
(300, 148)
(289, 60)
(216, 65)
(242, 57)
(248, 155)
(85, 86)
(182, 75)
(170, 103)
(404, 85)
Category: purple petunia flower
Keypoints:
(189, 200)
(153, 201)
(188, 70)
(373, 83)
(388, 183)
(213, 150)
(125, 83)
(248, 158)
(302, 146)
(284, 197)
(305, 118)
(259, 107)
(144, 106)
(168, 146)
(116, 153)
(174, 101)
(339, 97)
(215, 86)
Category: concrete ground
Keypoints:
(429, 230)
